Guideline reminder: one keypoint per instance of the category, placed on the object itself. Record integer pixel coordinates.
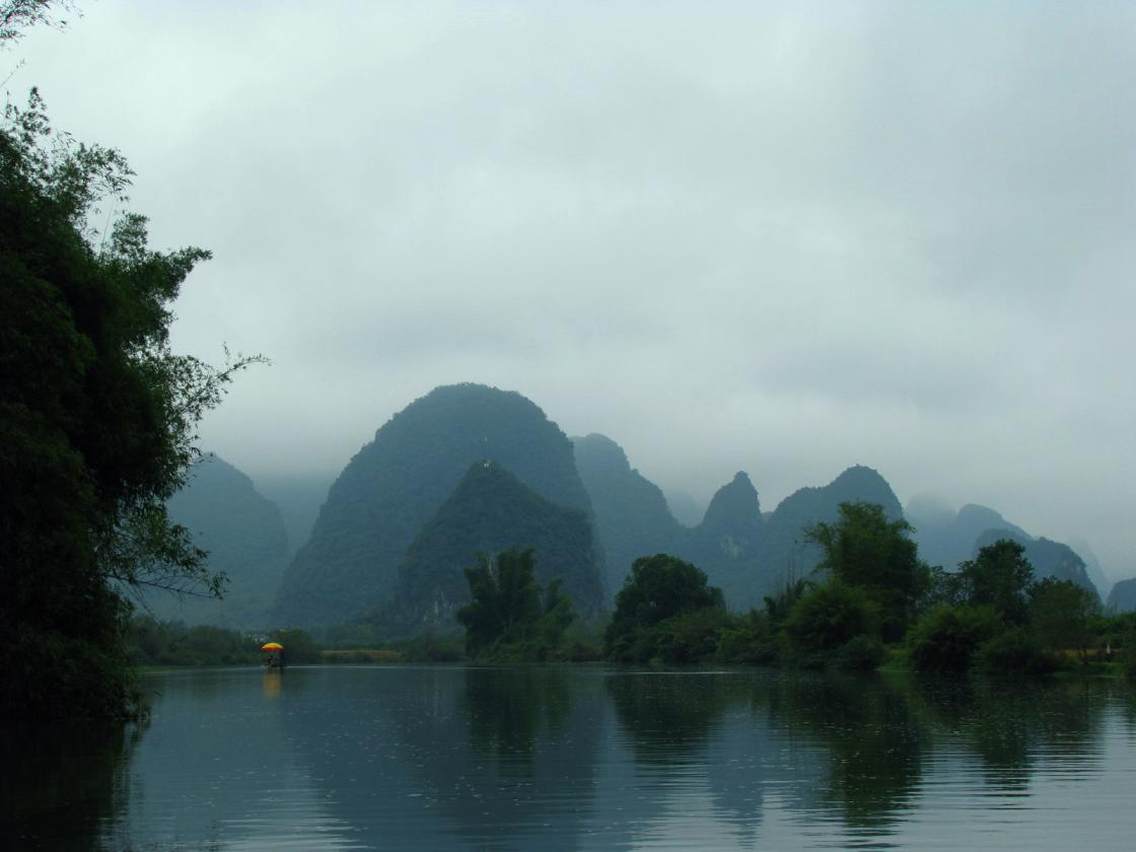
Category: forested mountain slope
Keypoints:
(490, 511)
(395, 484)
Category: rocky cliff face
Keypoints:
(490, 511)
(395, 485)
(244, 535)
(727, 543)
(735, 513)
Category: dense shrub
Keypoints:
(1128, 664)
(172, 643)
(1014, 651)
(780, 603)
(998, 577)
(648, 619)
(861, 654)
(828, 616)
(748, 639)
(691, 637)
(947, 638)
(510, 618)
(866, 550)
(1061, 614)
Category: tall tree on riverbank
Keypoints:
(867, 550)
(509, 617)
(97, 421)
(662, 598)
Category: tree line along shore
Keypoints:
(870, 604)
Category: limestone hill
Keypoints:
(490, 511)
(394, 485)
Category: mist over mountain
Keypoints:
(1093, 566)
(632, 517)
(947, 538)
(244, 534)
(299, 499)
(490, 511)
(395, 484)
(685, 509)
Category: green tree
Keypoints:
(946, 638)
(509, 615)
(659, 588)
(999, 577)
(97, 421)
(18, 15)
(829, 616)
(1061, 614)
(866, 550)
(1014, 651)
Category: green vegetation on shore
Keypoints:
(97, 421)
(871, 602)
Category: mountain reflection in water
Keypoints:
(581, 758)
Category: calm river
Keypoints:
(581, 758)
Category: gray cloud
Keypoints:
(784, 238)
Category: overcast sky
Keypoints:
(783, 238)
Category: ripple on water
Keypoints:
(432, 758)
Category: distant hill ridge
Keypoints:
(244, 535)
(383, 533)
(746, 553)
(749, 553)
(947, 538)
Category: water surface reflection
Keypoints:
(583, 758)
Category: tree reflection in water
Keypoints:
(1010, 724)
(874, 745)
(61, 784)
(559, 757)
(507, 708)
(668, 716)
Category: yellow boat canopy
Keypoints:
(272, 646)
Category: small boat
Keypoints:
(273, 655)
